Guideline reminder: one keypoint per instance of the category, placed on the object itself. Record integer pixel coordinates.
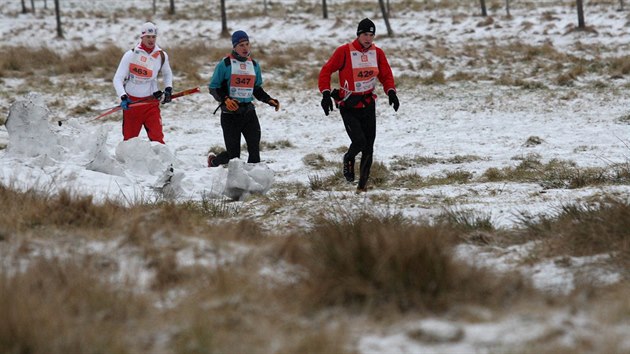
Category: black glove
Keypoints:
(157, 94)
(168, 92)
(124, 102)
(393, 99)
(327, 103)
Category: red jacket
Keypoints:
(340, 61)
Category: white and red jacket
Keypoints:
(358, 69)
(138, 70)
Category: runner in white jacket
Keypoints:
(136, 80)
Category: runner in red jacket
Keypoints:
(359, 64)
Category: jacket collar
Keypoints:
(359, 47)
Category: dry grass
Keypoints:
(376, 262)
(30, 210)
(317, 161)
(404, 162)
(102, 62)
(465, 221)
(327, 183)
(66, 307)
(601, 227)
(233, 310)
(24, 61)
(21, 61)
(365, 263)
(187, 60)
(559, 173)
(276, 145)
(192, 64)
(65, 304)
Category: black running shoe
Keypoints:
(348, 168)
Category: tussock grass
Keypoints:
(58, 307)
(584, 229)
(317, 161)
(187, 60)
(269, 145)
(276, 145)
(31, 210)
(212, 207)
(327, 183)
(526, 84)
(404, 162)
(436, 78)
(217, 149)
(23, 61)
(539, 65)
(233, 310)
(465, 221)
(559, 173)
(261, 287)
(379, 174)
(295, 64)
(282, 191)
(619, 66)
(382, 261)
(567, 78)
(409, 180)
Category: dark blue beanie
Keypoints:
(238, 37)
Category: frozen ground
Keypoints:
(482, 119)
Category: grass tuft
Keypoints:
(369, 261)
(601, 227)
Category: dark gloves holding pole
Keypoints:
(393, 99)
(168, 92)
(327, 103)
(125, 101)
(158, 94)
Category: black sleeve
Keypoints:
(261, 95)
(220, 93)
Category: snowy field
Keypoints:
(466, 126)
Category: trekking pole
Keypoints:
(118, 108)
(219, 106)
(149, 100)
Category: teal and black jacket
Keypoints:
(219, 86)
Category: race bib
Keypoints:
(242, 78)
(141, 67)
(364, 70)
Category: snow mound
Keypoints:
(143, 157)
(78, 154)
(244, 179)
(30, 134)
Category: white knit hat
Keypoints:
(148, 29)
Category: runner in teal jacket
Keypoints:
(236, 81)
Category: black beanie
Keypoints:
(366, 25)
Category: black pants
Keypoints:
(244, 121)
(360, 125)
